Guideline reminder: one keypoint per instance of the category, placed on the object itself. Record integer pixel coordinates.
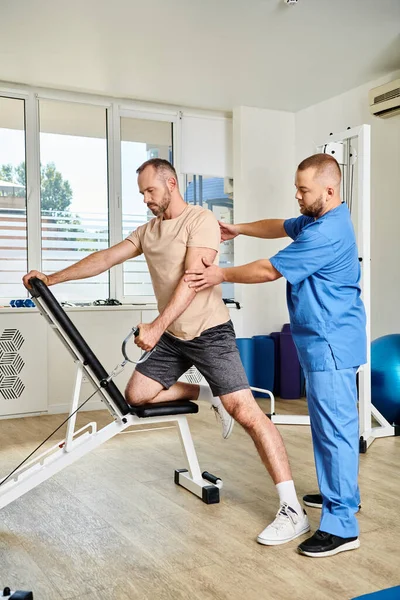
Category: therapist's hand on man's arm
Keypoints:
(259, 271)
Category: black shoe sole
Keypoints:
(318, 504)
(312, 504)
(343, 548)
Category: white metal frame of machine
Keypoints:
(358, 159)
(79, 443)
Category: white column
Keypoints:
(264, 167)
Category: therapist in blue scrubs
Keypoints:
(327, 319)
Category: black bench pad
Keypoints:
(163, 409)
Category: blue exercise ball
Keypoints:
(385, 376)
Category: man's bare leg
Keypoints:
(290, 521)
(143, 390)
(266, 437)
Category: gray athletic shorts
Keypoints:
(214, 353)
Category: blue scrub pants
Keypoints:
(332, 405)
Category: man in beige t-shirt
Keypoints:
(164, 242)
(192, 328)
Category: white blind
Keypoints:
(207, 146)
(72, 118)
(146, 131)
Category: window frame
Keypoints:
(65, 98)
(32, 220)
(172, 117)
(115, 109)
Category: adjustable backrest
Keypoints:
(75, 342)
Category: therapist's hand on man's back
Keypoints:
(228, 232)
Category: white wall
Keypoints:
(263, 165)
(313, 125)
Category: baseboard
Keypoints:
(22, 416)
(65, 408)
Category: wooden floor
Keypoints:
(115, 526)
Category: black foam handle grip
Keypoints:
(210, 477)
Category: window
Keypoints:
(216, 194)
(140, 140)
(55, 145)
(74, 192)
(13, 226)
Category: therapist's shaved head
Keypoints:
(318, 185)
(325, 167)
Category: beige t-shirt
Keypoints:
(164, 243)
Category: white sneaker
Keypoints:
(224, 418)
(287, 526)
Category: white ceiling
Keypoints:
(204, 53)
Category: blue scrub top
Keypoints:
(323, 290)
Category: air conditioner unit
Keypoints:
(384, 100)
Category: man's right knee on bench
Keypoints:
(141, 389)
